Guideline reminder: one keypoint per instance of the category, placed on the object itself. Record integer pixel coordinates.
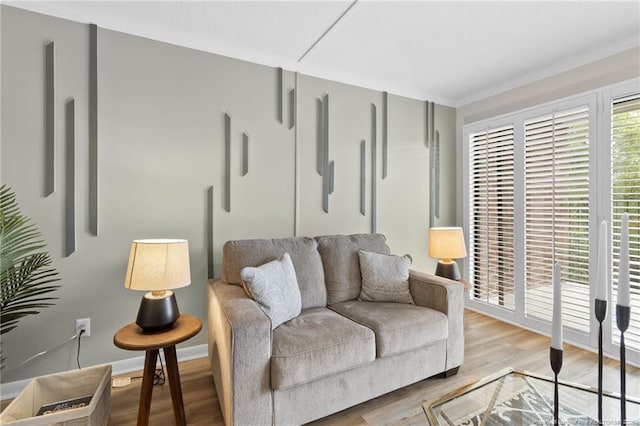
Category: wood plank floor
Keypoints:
(490, 345)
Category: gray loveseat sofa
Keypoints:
(339, 351)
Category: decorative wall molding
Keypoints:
(432, 121)
(245, 154)
(433, 143)
(319, 136)
(70, 180)
(385, 132)
(325, 154)
(210, 254)
(363, 176)
(280, 95)
(93, 129)
(436, 185)
(374, 162)
(332, 175)
(292, 108)
(227, 162)
(296, 156)
(427, 126)
(50, 119)
(429, 123)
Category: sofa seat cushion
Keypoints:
(318, 343)
(398, 327)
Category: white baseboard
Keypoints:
(12, 389)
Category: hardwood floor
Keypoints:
(490, 345)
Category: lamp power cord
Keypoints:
(52, 349)
(78, 354)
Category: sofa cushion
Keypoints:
(398, 327)
(385, 277)
(341, 264)
(317, 343)
(304, 255)
(275, 288)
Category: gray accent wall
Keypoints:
(161, 160)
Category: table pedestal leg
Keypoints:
(147, 387)
(174, 385)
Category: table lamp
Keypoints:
(158, 266)
(446, 244)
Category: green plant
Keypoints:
(26, 274)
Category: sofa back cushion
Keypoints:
(304, 255)
(341, 264)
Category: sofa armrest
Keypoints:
(446, 296)
(239, 342)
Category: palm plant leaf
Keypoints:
(26, 274)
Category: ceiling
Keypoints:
(452, 52)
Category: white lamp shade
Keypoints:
(447, 243)
(156, 265)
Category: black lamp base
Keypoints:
(448, 270)
(157, 313)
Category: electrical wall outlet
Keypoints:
(83, 324)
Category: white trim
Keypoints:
(12, 389)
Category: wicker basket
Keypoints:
(52, 388)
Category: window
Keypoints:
(557, 213)
(537, 183)
(491, 191)
(625, 180)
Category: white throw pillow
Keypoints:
(275, 287)
(385, 278)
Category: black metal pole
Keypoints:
(623, 313)
(601, 313)
(555, 356)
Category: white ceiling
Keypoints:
(453, 52)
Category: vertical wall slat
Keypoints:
(384, 134)
(296, 167)
(50, 118)
(374, 129)
(427, 125)
(437, 176)
(325, 154)
(70, 179)
(93, 129)
(280, 95)
(363, 177)
(210, 255)
(432, 121)
(227, 161)
(245, 153)
(332, 176)
(319, 136)
(432, 183)
(292, 108)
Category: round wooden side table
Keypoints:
(132, 337)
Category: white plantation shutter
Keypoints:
(532, 189)
(491, 236)
(557, 214)
(625, 180)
